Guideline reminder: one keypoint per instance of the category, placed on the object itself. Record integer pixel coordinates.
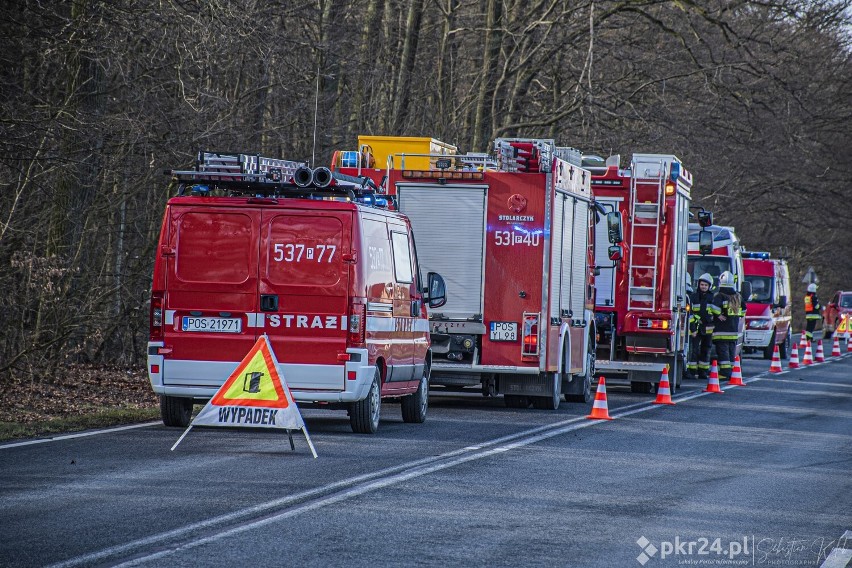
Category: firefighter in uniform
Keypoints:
(812, 312)
(728, 308)
(701, 328)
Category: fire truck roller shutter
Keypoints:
(578, 263)
(605, 281)
(559, 250)
(451, 245)
(568, 237)
(568, 295)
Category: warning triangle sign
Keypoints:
(255, 382)
(255, 395)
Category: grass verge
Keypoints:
(76, 423)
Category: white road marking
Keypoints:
(803, 382)
(78, 435)
(839, 557)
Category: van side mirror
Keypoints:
(614, 253)
(613, 227)
(746, 290)
(782, 302)
(705, 218)
(436, 290)
(705, 242)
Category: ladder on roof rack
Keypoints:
(531, 155)
(571, 155)
(252, 173)
(239, 166)
(645, 230)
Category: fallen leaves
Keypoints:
(74, 390)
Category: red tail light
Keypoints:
(156, 316)
(530, 335)
(357, 324)
(646, 323)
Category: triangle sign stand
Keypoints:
(255, 395)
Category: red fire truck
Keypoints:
(511, 234)
(255, 245)
(641, 299)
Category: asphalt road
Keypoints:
(766, 469)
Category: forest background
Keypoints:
(97, 98)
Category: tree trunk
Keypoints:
(406, 66)
(491, 57)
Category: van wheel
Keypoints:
(784, 348)
(516, 401)
(364, 414)
(175, 410)
(769, 350)
(415, 405)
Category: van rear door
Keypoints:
(211, 271)
(304, 292)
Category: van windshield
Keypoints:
(712, 265)
(761, 289)
(719, 234)
(846, 301)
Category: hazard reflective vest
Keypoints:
(703, 311)
(724, 304)
(812, 307)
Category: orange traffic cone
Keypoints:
(803, 341)
(835, 349)
(848, 343)
(599, 408)
(775, 367)
(664, 391)
(820, 356)
(808, 359)
(713, 381)
(737, 373)
(794, 357)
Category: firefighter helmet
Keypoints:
(706, 278)
(726, 279)
(812, 287)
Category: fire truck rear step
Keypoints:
(453, 367)
(640, 371)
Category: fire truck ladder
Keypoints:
(645, 235)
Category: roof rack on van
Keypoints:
(239, 174)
